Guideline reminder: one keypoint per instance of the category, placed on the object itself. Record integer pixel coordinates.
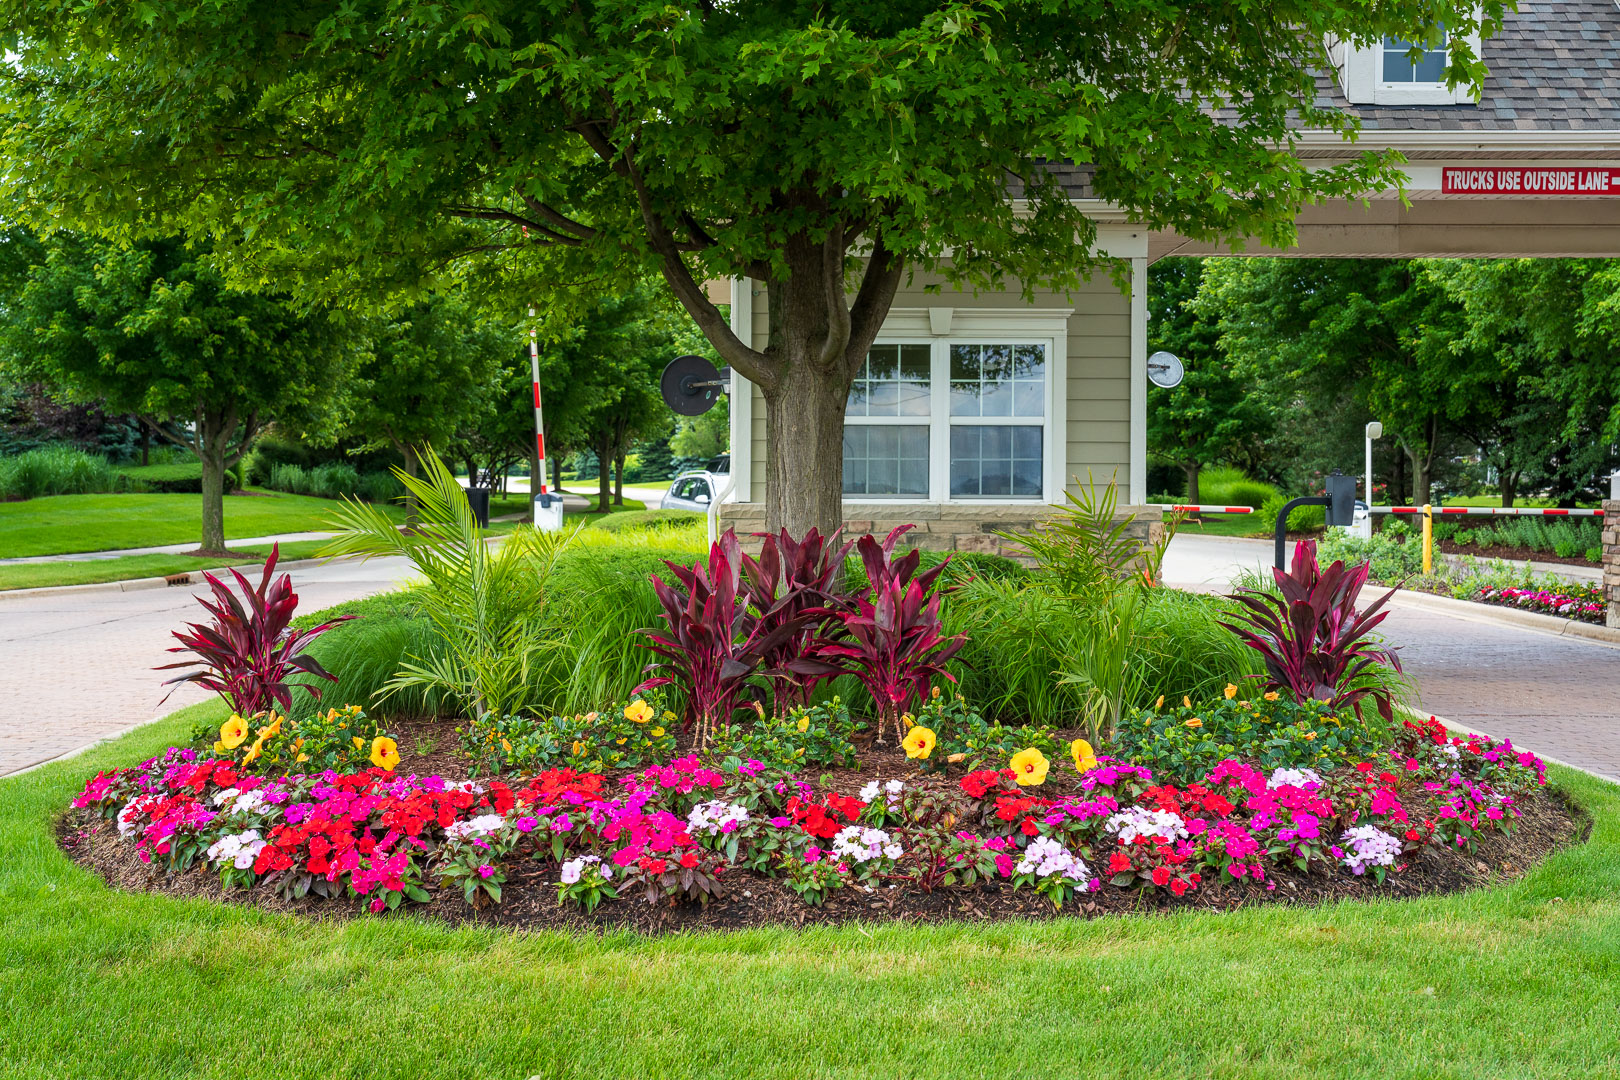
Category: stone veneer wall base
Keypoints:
(1611, 560)
(942, 526)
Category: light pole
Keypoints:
(1375, 430)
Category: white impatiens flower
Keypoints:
(482, 825)
(236, 801)
(1292, 778)
(890, 790)
(238, 849)
(1137, 821)
(573, 868)
(858, 844)
(1046, 856)
(716, 817)
(1368, 845)
(127, 825)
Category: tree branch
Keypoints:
(748, 362)
(872, 302)
(561, 221)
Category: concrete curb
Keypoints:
(1526, 620)
(139, 584)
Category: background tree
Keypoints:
(825, 154)
(1217, 413)
(151, 329)
(425, 374)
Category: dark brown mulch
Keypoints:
(1512, 553)
(529, 897)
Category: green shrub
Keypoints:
(377, 487)
(365, 655)
(181, 478)
(646, 519)
(1230, 487)
(1302, 519)
(1184, 742)
(57, 470)
(818, 737)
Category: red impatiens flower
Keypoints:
(689, 860)
(1161, 876)
(1178, 887)
(1119, 863)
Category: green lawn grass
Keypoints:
(61, 524)
(129, 567)
(1515, 981)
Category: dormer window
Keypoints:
(1399, 67)
(1397, 72)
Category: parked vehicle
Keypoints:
(694, 490)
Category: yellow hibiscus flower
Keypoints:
(1271, 695)
(803, 724)
(233, 732)
(1231, 691)
(384, 753)
(1195, 723)
(1085, 759)
(638, 711)
(1186, 702)
(1030, 766)
(919, 743)
(658, 733)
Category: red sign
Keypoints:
(1530, 181)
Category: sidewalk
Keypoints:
(166, 549)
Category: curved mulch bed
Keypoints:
(1547, 823)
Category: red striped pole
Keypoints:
(1202, 509)
(1491, 511)
(539, 421)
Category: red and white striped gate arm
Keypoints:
(1199, 508)
(1490, 511)
(539, 422)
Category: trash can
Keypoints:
(548, 512)
(478, 499)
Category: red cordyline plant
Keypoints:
(795, 582)
(895, 644)
(1313, 640)
(714, 642)
(249, 653)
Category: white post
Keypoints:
(547, 509)
(1375, 430)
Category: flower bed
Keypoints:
(1583, 603)
(695, 842)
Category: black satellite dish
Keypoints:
(690, 385)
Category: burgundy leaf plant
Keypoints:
(713, 642)
(1314, 641)
(795, 582)
(248, 653)
(895, 642)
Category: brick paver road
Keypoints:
(1557, 695)
(77, 667)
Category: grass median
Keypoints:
(1514, 980)
(131, 567)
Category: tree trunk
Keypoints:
(1507, 486)
(146, 443)
(556, 470)
(604, 469)
(413, 465)
(1397, 477)
(618, 479)
(213, 431)
(805, 416)
(1192, 469)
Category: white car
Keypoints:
(694, 491)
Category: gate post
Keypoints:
(1611, 557)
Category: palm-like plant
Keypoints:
(484, 602)
(1314, 641)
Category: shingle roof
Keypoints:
(1555, 66)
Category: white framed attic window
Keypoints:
(1398, 72)
(964, 417)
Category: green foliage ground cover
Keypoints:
(63, 524)
(1513, 980)
(56, 470)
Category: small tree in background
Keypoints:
(151, 329)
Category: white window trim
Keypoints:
(1044, 326)
(1360, 72)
